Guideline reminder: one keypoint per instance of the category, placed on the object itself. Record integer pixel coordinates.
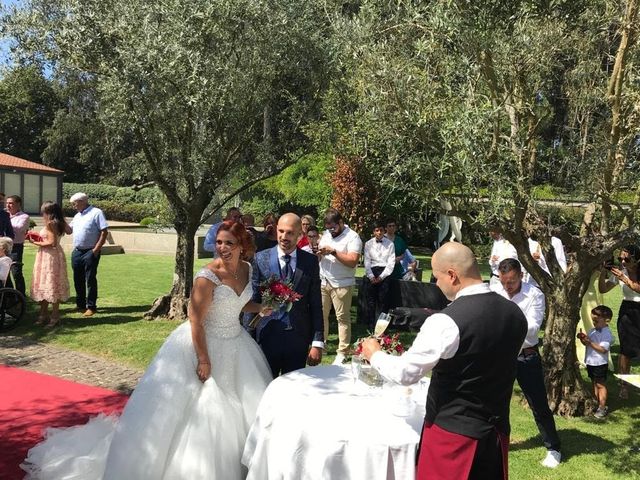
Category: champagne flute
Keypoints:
(381, 324)
(356, 363)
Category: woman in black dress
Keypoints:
(627, 276)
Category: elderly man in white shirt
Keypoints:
(90, 229)
(530, 375)
(339, 251)
(379, 262)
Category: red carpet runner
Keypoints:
(31, 402)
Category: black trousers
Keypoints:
(376, 295)
(85, 271)
(285, 350)
(530, 377)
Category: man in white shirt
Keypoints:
(339, 251)
(379, 262)
(538, 256)
(471, 348)
(530, 375)
(500, 250)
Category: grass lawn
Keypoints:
(129, 283)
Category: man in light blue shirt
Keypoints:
(210, 238)
(90, 229)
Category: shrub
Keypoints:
(123, 212)
(112, 193)
(146, 221)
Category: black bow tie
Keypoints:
(378, 241)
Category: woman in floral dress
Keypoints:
(50, 284)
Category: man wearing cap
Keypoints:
(90, 229)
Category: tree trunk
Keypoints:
(174, 304)
(565, 389)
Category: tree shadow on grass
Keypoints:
(622, 459)
(628, 460)
(574, 443)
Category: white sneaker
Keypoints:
(339, 360)
(552, 460)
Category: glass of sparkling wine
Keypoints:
(356, 363)
(381, 324)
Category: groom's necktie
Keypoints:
(287, 272)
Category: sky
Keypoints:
(4, 43)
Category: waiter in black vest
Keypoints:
(471, 347)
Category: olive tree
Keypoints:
(460, 100)
(216, 94)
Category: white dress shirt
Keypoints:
(501, 249)
(379, 254)
(438, 338)
(531, 301)
(558, 248)
(604, 338)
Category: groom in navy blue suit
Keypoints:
(290, 340)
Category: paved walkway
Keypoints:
(60, 362)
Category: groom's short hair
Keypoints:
(331, 215)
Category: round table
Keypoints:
(317, 424)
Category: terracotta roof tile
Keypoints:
(9, 161)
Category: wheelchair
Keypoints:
(12, 305)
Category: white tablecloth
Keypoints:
(317, 424)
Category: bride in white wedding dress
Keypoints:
(189, 416)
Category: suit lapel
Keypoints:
(297, 276)
(274, 263)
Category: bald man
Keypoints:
(290, 340)
(471, 347)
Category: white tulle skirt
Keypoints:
(173, 426)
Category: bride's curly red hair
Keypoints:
(245, 240)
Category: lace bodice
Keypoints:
(223, 316)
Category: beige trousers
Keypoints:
(340, 298)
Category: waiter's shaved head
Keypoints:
(455, 267)
(457, 257)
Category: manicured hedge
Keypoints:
(118, 203)
(123, 212)
(111, 193)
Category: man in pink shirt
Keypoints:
(20, 224)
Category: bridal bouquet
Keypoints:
(278, 294)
